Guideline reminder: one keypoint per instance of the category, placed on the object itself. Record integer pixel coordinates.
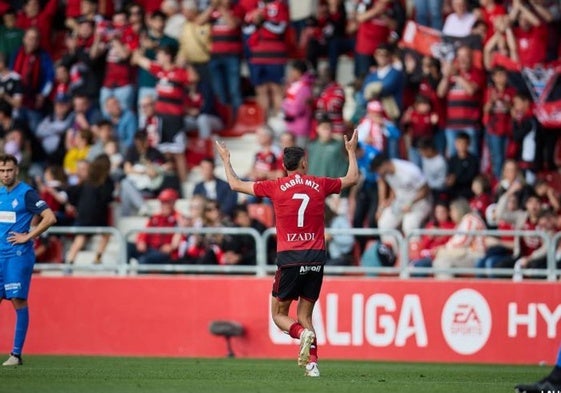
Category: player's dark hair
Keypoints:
(300, 66)
(378, 161)
(522, 95)
(498, 68)
(239, 209)
(99, 169)
(104, 123)
(5, 108)
(463, 136)
(158, 14)
(425, 142)
(292, 157)
(209, 159)
(4, 158)
(141, 135)
(168, 50)
(423, 99)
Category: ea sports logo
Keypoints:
(466, 321)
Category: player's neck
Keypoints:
(10, 188)
(296, 172)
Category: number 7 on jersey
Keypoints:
(302, 209)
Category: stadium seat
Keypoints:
(197, 149)
(250, 116)
(127, 224)
(262, 212)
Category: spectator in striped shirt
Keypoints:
(171, 96)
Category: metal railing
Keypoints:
(263, 267)
(367, 232)
(120, 266)
(261, 254)
(549, 272)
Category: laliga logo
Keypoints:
(466, 321)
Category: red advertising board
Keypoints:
(357, 318)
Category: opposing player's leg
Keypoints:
(17, 276)
(551, 383)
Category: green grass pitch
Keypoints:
(81, 374)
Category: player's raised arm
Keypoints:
(234, 181)
(351, 178)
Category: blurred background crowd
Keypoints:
(104, 103)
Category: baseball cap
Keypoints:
(168, 195)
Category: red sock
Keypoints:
(314, 352)
(295, 330)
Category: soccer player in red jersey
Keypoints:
(298, 200)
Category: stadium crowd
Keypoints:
(98, 98)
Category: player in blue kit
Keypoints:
(19, 204)
(551, 383)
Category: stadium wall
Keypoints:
(357, 318)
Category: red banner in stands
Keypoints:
(357, 318)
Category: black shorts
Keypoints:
(293, 282)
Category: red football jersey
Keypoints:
(170, 89)
(299, 202)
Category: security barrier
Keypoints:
(461, 321)
(263, 268)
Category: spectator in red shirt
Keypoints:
(496, 118)
(330, 103)
(481, 199)
(76, 8)
(328, 35)
(419, 121)
(500, 48)
(86, 10)
(530, 35)
(158, 248)
(374, 28)
(549, 198)
(489, 12)
(116, 41)
(32, 15)
(36, 69)
(266, 164)
(171, 98)
(425, 250)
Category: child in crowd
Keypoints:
(548, 196)
(52, 189)
(434, 168)
(75, 154)
(481, 198)
(525, 128)
(496, 118)
(418, 121)
(378, 132)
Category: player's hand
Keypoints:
(223, 151)
(18, 238)
(350, 144)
